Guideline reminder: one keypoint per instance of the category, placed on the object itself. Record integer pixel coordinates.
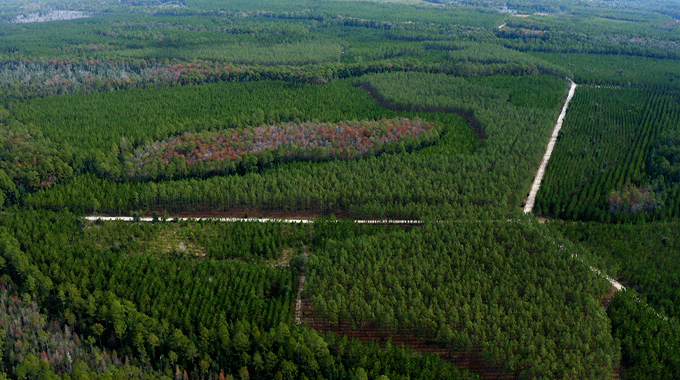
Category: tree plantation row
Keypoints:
(464, 316)
(318, 32)
(165, 295)
(645, 317)
(613, 160)
(491, 290)
(130, 49)
(270, 354)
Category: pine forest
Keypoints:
(339, 189)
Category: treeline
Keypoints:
(344, 37)
(483, 106)
(492, 54)
(123, 290)
(599, 170)
(91, 279)
(645, 34)
(131, 51)
(490, 288)
(644, 317)
(320, 188)
(103, 134)
(620, 70)
(54, 351)
(98, 125)
(87, 76)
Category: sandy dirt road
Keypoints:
(529, 204)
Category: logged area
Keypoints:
(339, 190)
(245, 150)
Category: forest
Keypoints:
(334, 189)
(612, 157)
(396, 188)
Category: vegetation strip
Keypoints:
(551, 144)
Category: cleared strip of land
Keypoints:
(529, 205)
(261, 220)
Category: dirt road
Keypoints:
(261, 220)
(529, 204)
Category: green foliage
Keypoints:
(28, 160)
(20, 266)
(495, 286)
(649, 341)
(198, 299)
(664, 158)
(489, 56)
(615, 69)
(531, 91)
(97, 123)
(296, 53)
(360, 12)
(604, 146)
(401, 185)
(97, 285)
(592, 30)
(644, 256)
(192, 314)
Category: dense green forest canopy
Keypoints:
(644, 317)
(460, 292)
(436, 111)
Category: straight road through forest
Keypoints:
(529, 205)
(261, 220)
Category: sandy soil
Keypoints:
(261, 220)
